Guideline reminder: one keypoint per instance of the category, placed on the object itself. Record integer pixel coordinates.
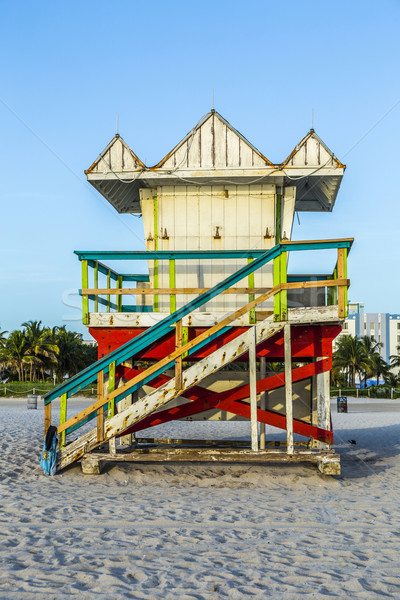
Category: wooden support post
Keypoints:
(178, 361)
(108, 285)
(276, 281)
(335, 289)
(342, 274)
(47, 417)
(96, 286)
(283, 279)
(280, 276)
(288, 388)
(119, 297)
(63, 417)
(172, 285)
(278, 220)
(185, 339)
(111, 388)
(155, 213)
(253, 388)
(252, 312)
(85, 299)
(324, 403)
(100, 410)
(263, 401)
(314, 403)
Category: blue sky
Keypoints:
(67, 69)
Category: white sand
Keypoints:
(203, 531)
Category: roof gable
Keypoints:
(312, 152)
(213, 144)
(116, 157)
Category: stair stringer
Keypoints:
(161, 396)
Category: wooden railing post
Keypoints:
(63, 417)
(100, 410)
(155, 214)
(108, 286)
(280, 276)
(178, 361)
(119, 296)
(96, 286)
(288, 388)
(342, 274)
(276, 281)
(85, 299)
(253, 388)
(47, 417)
(283, 279)
(111, 388)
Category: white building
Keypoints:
(380, 327)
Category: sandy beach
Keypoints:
(204, 531)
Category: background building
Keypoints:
(380, 327)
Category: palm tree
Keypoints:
(391, 380)
(379, 366)
(14, 353)
(371, 348)
(395, 359)
(42, 351)
(350, 356)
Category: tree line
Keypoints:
(360, 357)
(38, 353)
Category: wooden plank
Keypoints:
(108, 286)
(159, 397)
(283, 280)
(63, 417)
(324, 403)
(263, 400)
(250, 280)
(213, 455)
(85, 299)
(185, 339)
(247, 290)
(253, 388)
(221, 357)
(96, 285)
(172, 297)
(296, 315)
(111, 388)
(47, 417)
(288, 388)
(341, 274)
(100, 410)
(156, 269)
(276, 283)
(119, 297)
(178, 360)
(197, 442)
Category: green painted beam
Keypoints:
(172, 284)
(85, 299)
(137, 277)
(206, 254)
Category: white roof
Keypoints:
(214, 153)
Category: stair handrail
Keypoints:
(154, 333)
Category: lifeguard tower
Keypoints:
(217, 218)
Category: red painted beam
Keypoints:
(270, 417)
(308, 342)
(230, 401)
